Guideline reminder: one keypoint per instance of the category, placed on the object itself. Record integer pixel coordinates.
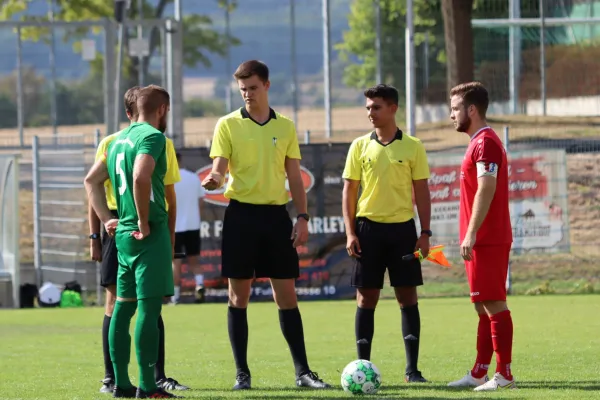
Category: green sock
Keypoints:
(119, 341)
(146, 340)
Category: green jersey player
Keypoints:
(136, 164)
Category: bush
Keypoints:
(202, 108)
(544, 288)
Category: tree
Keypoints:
(445, 25)
(459, 41)
(359, 41)
(198, 38)
(33, 93)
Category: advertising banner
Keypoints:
(538, 196)
(537, 193)
(324, 263)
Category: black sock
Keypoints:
(109, 371)
(237, 324)
(364, 327)
(159, 368)
(293, 332)
(411, 330)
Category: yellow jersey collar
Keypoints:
(398, 136)
(246, 114)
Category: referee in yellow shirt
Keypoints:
(260, 146)
(388, 165)
(103, 248)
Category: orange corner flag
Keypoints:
(436, 256)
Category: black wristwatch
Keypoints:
(305, 216)
(94, 236)
(427, 232)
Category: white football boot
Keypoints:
(469, 381)
(497, 382)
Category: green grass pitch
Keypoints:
(56, 353)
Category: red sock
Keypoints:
(502, 336)
(485, 347)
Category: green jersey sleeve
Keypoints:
(153, 145)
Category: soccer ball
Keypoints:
(361, 377)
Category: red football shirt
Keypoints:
(486, 156)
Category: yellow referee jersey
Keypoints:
(172, 176)
(386, 173)
(256, 154)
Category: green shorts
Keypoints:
(145, 265)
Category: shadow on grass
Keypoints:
(377, 396)
(389, 392)
(564, 385)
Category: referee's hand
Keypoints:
(423, 245)
(300, 232)
(212, 181)
(96, 250)
(353, 246)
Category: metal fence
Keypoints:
(60, 210)
(530, 60)
(9, 231)
(63, 77)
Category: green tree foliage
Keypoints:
(358, 52)
(76, 103)
(359, 40)
(198, 37)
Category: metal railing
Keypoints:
(60, 209)
(9, 231)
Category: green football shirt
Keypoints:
(138, 138)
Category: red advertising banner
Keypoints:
(538, 200)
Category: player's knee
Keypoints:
(494, 307)
(479, 309)
(406, 296)
(284, 293)
(286, 300)
(367, 298)
(238, 298)
(111, 298)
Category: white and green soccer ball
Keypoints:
(361, 377)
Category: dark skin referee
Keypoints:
(260, 147)
(380, 227)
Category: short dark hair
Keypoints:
(250, 68)
(472, 93)
(151, 98)
(130, 100)
(386, 92)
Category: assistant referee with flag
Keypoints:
(380, 225)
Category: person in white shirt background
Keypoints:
(189, 193)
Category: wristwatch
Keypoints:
(305, 216)
(427, 232)
(94, 236)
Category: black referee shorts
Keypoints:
(188, 242)
(383, 245)
(257, 242)
(110, 263)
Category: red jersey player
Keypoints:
(485, 236)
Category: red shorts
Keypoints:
(487, 272)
